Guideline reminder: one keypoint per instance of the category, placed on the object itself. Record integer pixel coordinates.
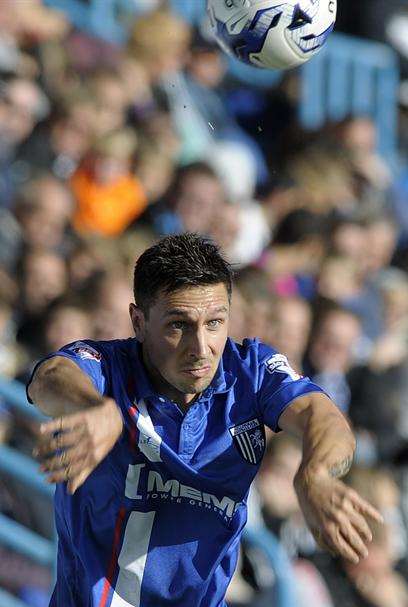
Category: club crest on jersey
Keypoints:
(278, 363)
(249, 439)
(85, 351)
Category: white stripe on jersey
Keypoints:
(149, 440)
(132, 559)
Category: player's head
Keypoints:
(182, 289)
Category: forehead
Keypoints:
(193, 300)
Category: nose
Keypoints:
(197, 347)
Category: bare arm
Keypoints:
(59, 387)
(86, 425)
(328, 442)
(334, 512)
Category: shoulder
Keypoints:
(89, 349)
(253, 359)
(250, 355)
(250, 351)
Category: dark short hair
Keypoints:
(176, 262)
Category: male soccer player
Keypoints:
(157, 440)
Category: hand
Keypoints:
(336, 515)
(70, 447)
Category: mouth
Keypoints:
(197, 372)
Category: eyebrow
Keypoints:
(180, 312)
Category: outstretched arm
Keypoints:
(335, 513)
(71, 446)
(59, 387)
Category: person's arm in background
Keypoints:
(335, 513)
(71, 446)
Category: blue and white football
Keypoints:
(272, 34)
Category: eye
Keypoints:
(214, 324)
(177, 324)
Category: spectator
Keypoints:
(44, 209)
(64, 324)
(374, 581)
(59, 144)
(193, 198)
(109, 197)
(160, 41)
(12, 356)
(296, 252)
(381, 239)
(22, 105)
(348, 239)
(43, 280)
(331, 352)
(110, 101)
(155, 170)
(110, 316)
(290, 327)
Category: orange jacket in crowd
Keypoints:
(106, 209)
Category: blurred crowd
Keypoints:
(105, 148)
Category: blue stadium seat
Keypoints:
(353, 77)
(24, 470)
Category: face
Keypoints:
(332, 347)
(183, 338)
(290, 328)
(45, 279)
(350, 240)
(225, 226)
(208, 67)
(110, 105)
(66, 325)
(199, 198)
(338, 279)
(44, 224)
(381, 240)
(111, 318)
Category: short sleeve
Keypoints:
(279, 385)
(89, 359)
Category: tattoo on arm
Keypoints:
(341, 469)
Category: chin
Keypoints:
(194, 387)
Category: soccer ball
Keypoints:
(269, 33)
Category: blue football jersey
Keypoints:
(158, 522)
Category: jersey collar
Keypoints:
(222, 381)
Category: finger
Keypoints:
(70, 472)
(75, 478)
(57, 462)
(364, 507)
(56, 425)
(62, 424)
(347, 508)
(59, 476)
(360, 524)
(67, 457)
(340, 546)
(61, 441)
(354, 540)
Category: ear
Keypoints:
(138, 321)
